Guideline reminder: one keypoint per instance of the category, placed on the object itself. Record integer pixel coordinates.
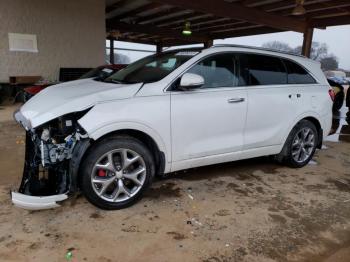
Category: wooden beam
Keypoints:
(245, 32)
(169, 42)
(218, 26)
(240, 12)
(210, 21)
(180, 20)
(118, 4)
(208, 44)
(159, 47)
(254, 3)
(332, 21)
(288, 4)
(162, 15)
(307, 42)
(134, 12)
(111, 51)
(153, 30)
(316, 9)
(326, 14)
(236, 29)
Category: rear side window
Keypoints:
(262, 70)
(297, 74)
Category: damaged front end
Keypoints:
(52, 155)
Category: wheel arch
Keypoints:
(83, 148)
(158, 155)
(313, 118)
(318, 126)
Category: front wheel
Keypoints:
(116, 172)
(300, 145)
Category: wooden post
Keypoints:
(159, 47)
(307, 43)
(208, 43)
(111, 50)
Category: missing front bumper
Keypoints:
(41, 188)
(36, 202)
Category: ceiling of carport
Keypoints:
(161, 21)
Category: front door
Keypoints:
(208, 123)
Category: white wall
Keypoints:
(70, 33)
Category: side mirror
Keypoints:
(191, 81)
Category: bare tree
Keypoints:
(118, 58)
(279, 46)
(121, 59)
(329, 63)
(318, 50)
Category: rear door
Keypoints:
(272, 103)
(209, 122)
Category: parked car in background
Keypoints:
(166, 112)
(30, 91)
(101, 72)
(339, 80)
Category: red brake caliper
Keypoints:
(101, 173)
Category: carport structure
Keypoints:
(160, 22)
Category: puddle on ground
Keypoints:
(340, 131)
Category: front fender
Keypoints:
(113, 127)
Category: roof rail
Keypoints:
(258, 48)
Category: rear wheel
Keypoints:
(116, 172)
(300, 145)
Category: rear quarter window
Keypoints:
(297, 74)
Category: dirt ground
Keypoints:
(253, 210)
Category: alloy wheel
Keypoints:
(118, 175)
(303, 144)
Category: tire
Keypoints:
(290, 152)
(338, 101)
(115, 186)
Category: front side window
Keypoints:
(217, 71)
(297, 74)
(262, 70)
(152, 68)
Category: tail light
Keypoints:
(331, 94)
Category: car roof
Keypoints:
(259, 49)
(242, 48)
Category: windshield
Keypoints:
(152, 68)
(92, 73)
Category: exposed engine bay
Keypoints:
(49, 152)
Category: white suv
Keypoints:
(166, 112)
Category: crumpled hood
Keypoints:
(61, 99)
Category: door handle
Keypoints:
(236, 100)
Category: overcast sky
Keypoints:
(337, 38)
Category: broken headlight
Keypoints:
(48, 151)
